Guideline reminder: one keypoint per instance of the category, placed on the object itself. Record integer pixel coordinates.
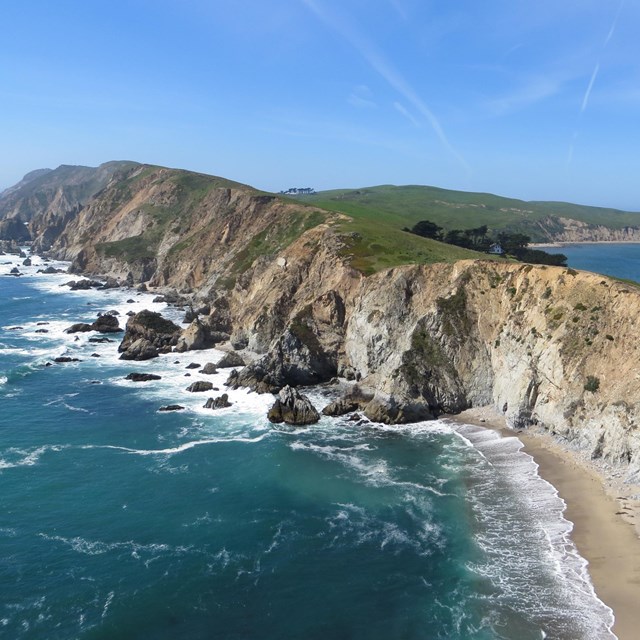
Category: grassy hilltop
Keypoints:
(405, 205)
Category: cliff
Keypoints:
(544, 345)
(46, 200)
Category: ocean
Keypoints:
(119, 521)
(620, 260)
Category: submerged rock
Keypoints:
(171, 407)
(142, 377)
(200, 386)
(78, 327)
(292, 407)
(63, 359)
(49, 270)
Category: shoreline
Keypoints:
(605, 516)
(548, 245)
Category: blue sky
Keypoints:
(536, 100)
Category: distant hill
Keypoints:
(50, 197)
(403, 206)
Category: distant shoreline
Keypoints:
(603, 510)
(543, 245)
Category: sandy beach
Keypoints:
(605, 515)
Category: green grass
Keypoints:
(129, 249)
(374, 245)
(272, 240)
(406, 205)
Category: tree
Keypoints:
(427, 229)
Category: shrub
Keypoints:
(592, 384)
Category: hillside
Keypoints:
(541, 221)
(146, 221)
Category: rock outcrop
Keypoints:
(292, 407)
(198, 335)
(231, 360)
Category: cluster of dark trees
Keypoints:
(513, 244)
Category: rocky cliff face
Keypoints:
(46, 200)
(544, 345)
(563, 229)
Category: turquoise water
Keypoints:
(117, 521)
(619, 260)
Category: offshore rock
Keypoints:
(171, 407)
(292, 407)
(106, 323)
(200, 386)
(147, 334)
(140, 349)
(209, 369)
(221, 402)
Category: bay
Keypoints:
(620, 260)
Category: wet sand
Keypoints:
(606, 518)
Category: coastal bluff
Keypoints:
(546, 346)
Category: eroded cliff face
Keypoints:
(544, 345)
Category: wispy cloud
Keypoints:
(401, 109)
(592, 80)
(614, 24)
(534, 90)
(386, 70)
(587, 93)
(362, 98)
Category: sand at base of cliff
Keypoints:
(606, 520)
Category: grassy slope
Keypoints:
(375, 244)
(404, 206)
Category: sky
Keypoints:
(533, 100)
